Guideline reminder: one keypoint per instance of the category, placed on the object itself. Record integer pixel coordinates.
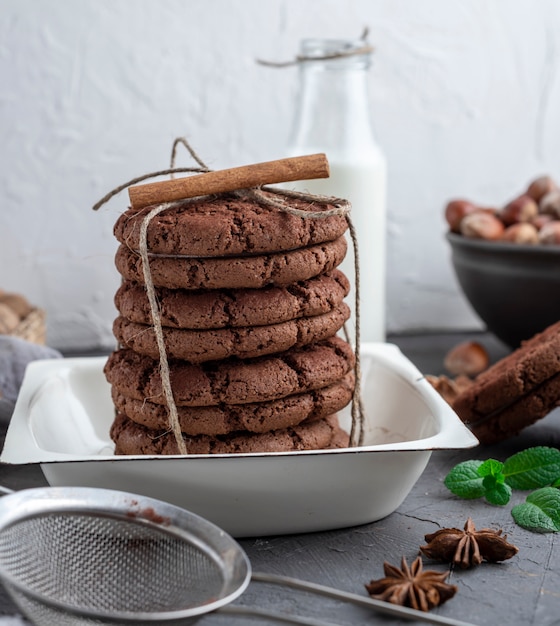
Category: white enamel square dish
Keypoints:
(64, 412)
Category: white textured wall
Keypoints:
(465, 97)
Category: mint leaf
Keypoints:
(532, 468)
(465, 481)
(493, 482)
(491, 467)
(495, 490)
(540, 512)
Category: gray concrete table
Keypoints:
(523, 591)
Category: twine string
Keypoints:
(270, 197)
(182, 141)
(340, 207)
(357, 431)
(139, 179)
(365, 48)
(300, 58)
(158, 329)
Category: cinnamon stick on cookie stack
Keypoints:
(249, 303)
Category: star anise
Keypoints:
(411, 586)
(468, 547)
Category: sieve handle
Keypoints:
(378, 605)
(274, 615)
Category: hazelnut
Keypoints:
(522, 209)
(455, 211)
(468, 358)
(523, 232)
(550, 204)
(449, 388)
(550, 233)
(17, 303)
(540, 186)
(9, 319)
(482, 225)
(540, 220)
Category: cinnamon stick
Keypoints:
(268, 173)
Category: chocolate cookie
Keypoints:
(232, 381)
(516, 391)
(254, 272)
(131, 438)
(226, 225)
(256, 417)
(528, 409)
(235, 308)
(198, 346)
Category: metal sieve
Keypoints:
(73, 556)
(78, 556)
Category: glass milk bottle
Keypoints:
(333, 116)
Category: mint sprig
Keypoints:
(533, 468)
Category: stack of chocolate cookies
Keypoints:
(251, 305)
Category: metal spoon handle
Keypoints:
(377, 605)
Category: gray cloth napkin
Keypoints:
(15, 355)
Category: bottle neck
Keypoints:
(332, 111)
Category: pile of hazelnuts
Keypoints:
(531, 218)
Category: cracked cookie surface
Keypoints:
(232, 381)
(131, 438)
(198, 346)
(255, 417)
(223, 308)
(254, 272)
(516, 391)
(226, 225)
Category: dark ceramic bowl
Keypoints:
(514, 288)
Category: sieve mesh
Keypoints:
(106, 564)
